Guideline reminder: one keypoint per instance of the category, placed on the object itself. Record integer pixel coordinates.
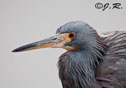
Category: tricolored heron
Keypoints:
(91, 60)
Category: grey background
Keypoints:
(26, 21)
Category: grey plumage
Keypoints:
(98, 63)
(91, 60)
(114, 65)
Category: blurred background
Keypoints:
(26, 21)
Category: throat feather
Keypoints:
(77, 69)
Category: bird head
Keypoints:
(70, 36)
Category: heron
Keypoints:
(91, 60)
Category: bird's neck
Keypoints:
(77, 68)
(87, 68)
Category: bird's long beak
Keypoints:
(56, 41)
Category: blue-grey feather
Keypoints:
(81, 64)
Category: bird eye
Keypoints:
(71, 35)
